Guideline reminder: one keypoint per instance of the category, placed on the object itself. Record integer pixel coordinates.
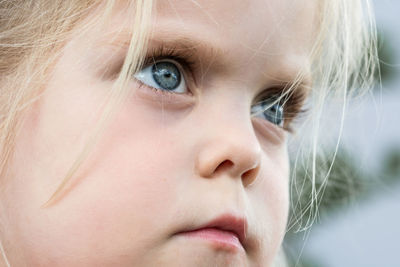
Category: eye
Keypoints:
(269, 109)
(164, 75)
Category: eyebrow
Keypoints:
(180, 40)
(206, 53)
(212, 55)
(293, 77)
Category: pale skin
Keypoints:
(159, 168)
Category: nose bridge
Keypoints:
(230, 147)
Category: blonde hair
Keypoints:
(33, 32)
(31, 42)
(345, 65)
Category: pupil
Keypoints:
(166, 75)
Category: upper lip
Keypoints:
(231, 223)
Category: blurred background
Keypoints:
(358, 222)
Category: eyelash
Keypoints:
(184, 57)
(292, 101)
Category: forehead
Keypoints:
(260, 25)
(270, 34)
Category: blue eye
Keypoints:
(271, 110)
(164, 75)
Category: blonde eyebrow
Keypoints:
(184, 41)
(293, 79)
(207, 55)
(197, 46)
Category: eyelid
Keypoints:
(141, 78)
(189, 65)
(161, 97)
(185, 58)
(292, 98)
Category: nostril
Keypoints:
(249, 176)
(224, 166)
(228, 158)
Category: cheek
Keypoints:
(276, 184)
(270, 200)
(138, 162)
(135, 169)
(138, 168)
(129, 187)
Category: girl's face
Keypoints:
(172, 159)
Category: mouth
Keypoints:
(224, 232)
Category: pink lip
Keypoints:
(225, 231)
(219, 238)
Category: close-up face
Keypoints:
(183, 150)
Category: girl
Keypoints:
(154, 133)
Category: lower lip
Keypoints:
(219, 238)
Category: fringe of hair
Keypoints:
(345, 66)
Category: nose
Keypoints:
(232, 151)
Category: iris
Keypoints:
(166, 74)
(270, 109)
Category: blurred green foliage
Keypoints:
(390, 167)
(338, 182)
(386, 55)
(346, 184)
